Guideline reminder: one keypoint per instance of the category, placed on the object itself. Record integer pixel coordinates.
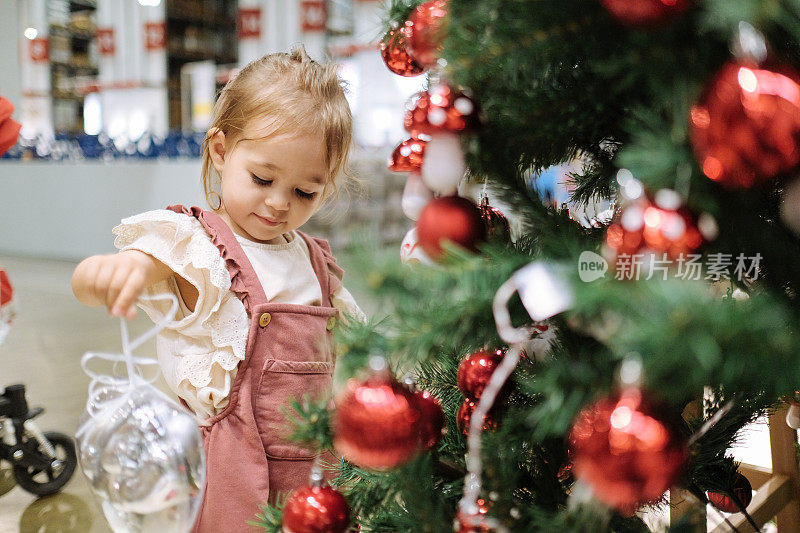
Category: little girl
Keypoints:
(258, 298)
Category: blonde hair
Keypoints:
(293, 95)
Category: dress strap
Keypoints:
(244, 280)
(328, 272)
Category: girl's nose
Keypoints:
(277, 200)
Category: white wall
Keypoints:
(67, 210)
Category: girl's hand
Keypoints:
(117, 280)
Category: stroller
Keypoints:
(43, 462)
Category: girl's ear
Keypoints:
(216, 149)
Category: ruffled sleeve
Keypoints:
(199, 351)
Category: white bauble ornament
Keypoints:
(444, 164)
(415, 196)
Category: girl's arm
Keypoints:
(117, 280)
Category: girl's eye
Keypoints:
(259, 181)
(305, 195)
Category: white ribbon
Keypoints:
(134, 365)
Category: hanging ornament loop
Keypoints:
(134, 366)
(544, 295)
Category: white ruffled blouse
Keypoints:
(199, 351)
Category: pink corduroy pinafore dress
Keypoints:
(248, 459)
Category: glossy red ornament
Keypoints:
(644, 226)
(449, 218)
(425, 29)
(741, 488)
(628, 449)
(408, 156)
(645, 13)
(464, 416)
(9, 128)
(441, 109)
(431, 419)
(475, 371)
(395, 54)
(495, 221)
(377, 423)
(746, 127)
(316, 510)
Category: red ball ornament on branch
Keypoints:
(425, 29)
(408, 156)
(659, 226)
(431, 420)
(645, 13)
(475, 371)
(441, 109)
(377, 423)
(450, 218)
(464, 416)
(627, 449)
(395, 54)
(495, 221)
(746, 127)
(316, 510)
(743, 491)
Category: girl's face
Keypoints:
(269, 186)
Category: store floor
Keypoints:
(43, 350)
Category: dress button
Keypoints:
(264, 320)
(331, 323)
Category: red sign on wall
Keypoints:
(313, 15)
(155, 36)
(105, 41)
(249, 23)
(39, 49)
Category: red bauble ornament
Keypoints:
(425, 29)
(741, 488)
(746, 127)
(645, 13)
(408, 156)
(475, 371)
(496, 222)
(647, 226)
(377, 423)
(316, 510)
(464, 416)
(395, 54)
(9, 128)
(449, 218)
(431, 419)
(441, 109)
(627, 449)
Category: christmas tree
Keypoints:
(647, 337)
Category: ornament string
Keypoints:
(134, 365)
(515, 337)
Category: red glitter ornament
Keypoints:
(464, 416)
(746, 127)
(646, 226)
(441, 109)
(425, 29)
(743, 491)
(408, 156)
(627, 449)
(475, 371)
(431, 419)
(377, 423)
(449, 218)
(496, 222)
(395, 54)
(645, 13)
(316, 510)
